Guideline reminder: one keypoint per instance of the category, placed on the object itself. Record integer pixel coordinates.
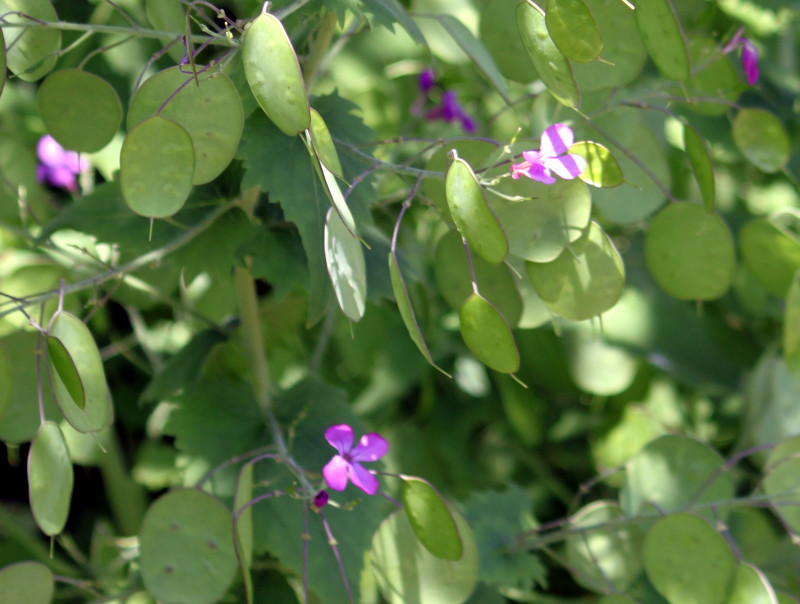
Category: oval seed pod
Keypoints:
(50, 479)
(473, 215)
(273, 73)
(486, 333)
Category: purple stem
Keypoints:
(332, 543)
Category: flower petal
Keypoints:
(541, 174)
(750, 62)
(566, 166)
(340, 437)
(371, 447)
(362, 478)
(335, 473)
(556, 140)
(49, 151)
(426, 80)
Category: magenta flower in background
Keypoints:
(320, 499)
(58, 167)
(427, 79)
(347, 464)
(749, 55)
(552, 156)
(448, 109)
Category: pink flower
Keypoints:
(58, 167)
(347, 464)
(552, 156)
(749, 55)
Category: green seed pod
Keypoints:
(273, 72)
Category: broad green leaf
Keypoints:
(6, 381)
(714, 77)
(688, 561)
(476, 51)
(390, 13)
(157, 167)
(431, 519)
(583, 281)
(702, 165)
(500, 34)
(348, 273)
(323, 144)
(690, 252)
(406, 311)
(762, 139)
(26, 583)
(624, 54)
(79, 109)
(243, 525)
(601, 556)
(273, 73)
(408, 574)
(791, 325)
(31, 51)
(50, 479)
(186, 548)
(473, 215)
(750, 586)
(167, 15)
(66, 370)
(674, 472)
(782, 480)
(552, 66)
(454, 280)
(771, 252)
(602, 169)
(573, 30)
(487, 334)
(210, 110)
(663, 37)
(546, 220)
(97, 412)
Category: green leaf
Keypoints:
(552, 66)
(157, 167)
(673, 472)
(96, 412)
(389, 13)
(3, 63)
(771, 394)
(473, 215)
(750, 586)
(573, 30)
(345, 260)
(600, 558)
(487, 334)
(50, 479)
(31, 51)
(584, 281)
(598, 366)
(67, 372)
(663, 37)
(408, 574)
(79, 109)
(702, 165)
(690, 252)
(6, 381)
(687, 561)
(791, 325)
(762, 139)
(210, 110)
(431, 520)
(500, 35)
(782, 480)
(26, 583)
(714, 78)
(476, 51)
(602, 169)
(186, 548)
(771, 252)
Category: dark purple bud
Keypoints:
(426, 80)
(320, 499)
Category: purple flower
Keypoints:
(749, 55)
(552, 156)
(58, 167)
(450, 111)
(426, 81)
(347, 464)
(320, 499)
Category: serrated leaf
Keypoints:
(476, 51)
(430, 519)
(702, 165)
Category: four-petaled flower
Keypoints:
(347, 464)
(552, 156)
(59, 167)
(749, 55)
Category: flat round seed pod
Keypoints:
(79, 109)
(273, 73)
(50, 479)
(472, 214)
(32, 51)
(573, 30)
(487, 334)
(156, 167)
(663, 37)
(345, 261)
(210, 111)
(323, 144)
(771, 252)
(500, 35)
(762, 139)
(690, 252)
(26, 583)
(602, 169)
